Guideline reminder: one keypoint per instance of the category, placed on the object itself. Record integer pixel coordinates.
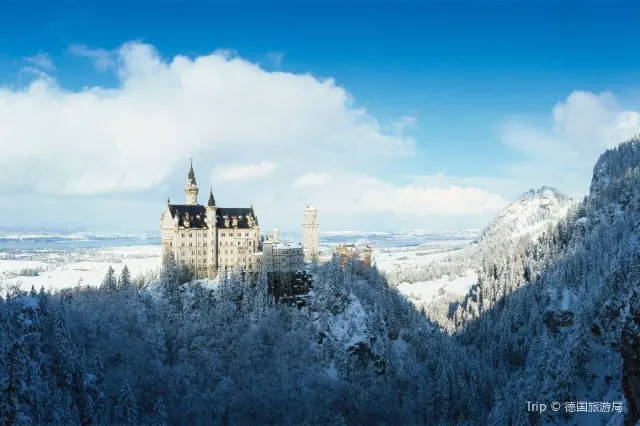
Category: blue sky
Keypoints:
(477, 81)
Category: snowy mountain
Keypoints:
(529, 214)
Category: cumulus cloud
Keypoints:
(102, 59)
(218, 109)
(420, 198)
(42, 61)
(238, 172)
(563, 153)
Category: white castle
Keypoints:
(209, 239)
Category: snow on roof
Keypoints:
(287, 246)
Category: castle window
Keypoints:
(183, 244)
(183, 234)
(204, 234)
(239, 234)
(183, 261)
(190, 234)
(190, 244)
(222, 235)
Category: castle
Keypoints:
(209, 239)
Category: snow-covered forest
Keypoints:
(554, 316)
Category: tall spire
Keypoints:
(212, 201)
(191, 191)
(192, 175)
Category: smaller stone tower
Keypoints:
(276, 236)
(310, 234)
(191, 190)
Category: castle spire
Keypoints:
(212, 201)
(192, 176)
(191, 191)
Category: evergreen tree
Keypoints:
(262, 301)
(169, 285)
(126, 410)
(125, 279)
(62, 336)
(109, 284)
(159, 414)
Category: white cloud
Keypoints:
(312, 179)
(102, 59)
(564, 153)
(216, 108)
(420, 198)
(41, 60)
(238, 172)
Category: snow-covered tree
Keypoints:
(126, 409)
(109, 283)
(169, 284)
(125, 279)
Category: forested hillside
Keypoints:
(555, 316)
(359, 353)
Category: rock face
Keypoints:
(630, 352)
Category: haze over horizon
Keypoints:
(438, 122)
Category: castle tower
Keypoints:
(310, 233)
(276, 236)
(212, 267)
(191, 190)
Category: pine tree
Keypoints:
(109, 284)
(262, 301)
(159, 415)
(62, 335)
(126, 411)
(125, 279)
(169, 280)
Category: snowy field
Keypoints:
(426, 291)
(423, 292)
(60, 261)
(59, 268)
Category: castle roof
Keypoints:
(241, 213)
(197, 216)
(195, 213)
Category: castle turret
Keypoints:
(191, 190)
(310, 240)
(276, 236)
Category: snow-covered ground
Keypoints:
(66, 268)
(65, 263)
(388, 259)
(427, 291)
